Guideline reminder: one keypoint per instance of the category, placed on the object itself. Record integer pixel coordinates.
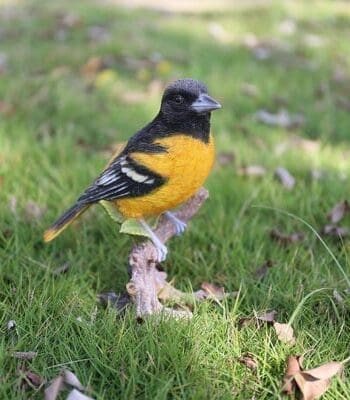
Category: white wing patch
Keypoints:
(113, 176)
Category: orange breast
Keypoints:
(186, 165)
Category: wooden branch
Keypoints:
(146, 280)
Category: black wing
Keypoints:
(123, 178)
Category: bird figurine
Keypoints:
(161, 166)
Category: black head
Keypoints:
(187, 106)
(188, 96)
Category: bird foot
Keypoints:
(180, 226)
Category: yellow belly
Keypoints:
(186, 165)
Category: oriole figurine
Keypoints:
(161, 166)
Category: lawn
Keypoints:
(77, 78)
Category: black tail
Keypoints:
(64, 220)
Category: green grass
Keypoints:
(53, 144)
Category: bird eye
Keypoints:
(178, 99)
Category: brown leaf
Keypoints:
(6, 109)
(52, 391)
(261, 272)
(252, 170)
(76, 395)
(249, 361)
(335, 231)
(285, 333)
(30, 379)
(119, 301)
(225, 158)
(213, 291)
(25, 355)
(33, 211)
(312, 383)
(61, 269)
(338, 211)
(286, 239)
(169, 293)
(293, 367)
(267, 317)
(285, 178)
(92, 67)
(72, 380)
(282, 119)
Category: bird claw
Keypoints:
(180, 226)
(162, 251)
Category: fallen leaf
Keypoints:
(169, 293)
(261, 272)
(30, 379)
(52, 391)
(69, 20)
(25, 355)
(286, 239)
(252, 170)
(311, 383)
(11, 325)
(338, 211)
(282, 119)
(294, 363)
(213, 291)
(225, 158)
(119, 301)
(335, 231)
(33, 211)
(249, 90)
(285, 333)
(61, 269)
(249, 361)
(267, 317)
(284, 176)
(314, 382)
(92, 66)
(3, 63)
(99, 34)
(76, 395)
(6, 109)
(338, 297)
(71, 379)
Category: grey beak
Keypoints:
(205, 103)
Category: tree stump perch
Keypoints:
(146, 280)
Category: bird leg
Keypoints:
(180, 226)
(162, 250)
(146, 280)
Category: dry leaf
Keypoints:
(224, 158)
(261, 272)
(25, 355)
(6, 109)
(61, 269)
(98, 34)
(287, 180)
(285, 333)
(92, 67)
(286, 239)
(312, 383)
(119, 301)
(249, 361)
(294, 363)
(267, 317)
(3, 63)
(71, 379)
(252, 170)
(33, 211)
(338, 211)
(335, 231)
(31, 379)
(76, 395)
(69, 20)
(52, 391)
(169, 293)
(213, 291)
(282, 119)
